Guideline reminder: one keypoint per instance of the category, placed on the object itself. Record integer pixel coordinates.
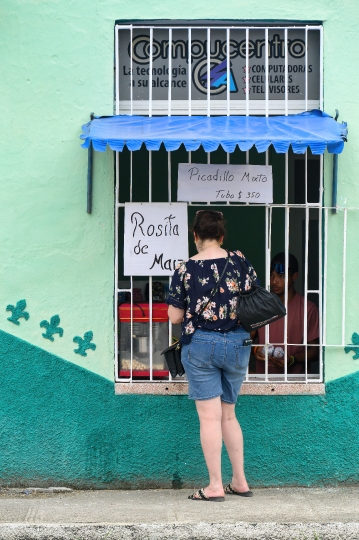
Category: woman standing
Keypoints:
(215, 350)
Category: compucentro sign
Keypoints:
(302, 57)
(141, 46)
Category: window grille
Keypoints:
(297, 211)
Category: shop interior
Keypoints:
(248, 229)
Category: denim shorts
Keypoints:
(216, 364)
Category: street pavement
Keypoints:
(273, 513)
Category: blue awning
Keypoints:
(314, 129)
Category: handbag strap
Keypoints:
(213, 291)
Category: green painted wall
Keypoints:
(57, 67)
(62, 425)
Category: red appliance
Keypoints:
(141, 340)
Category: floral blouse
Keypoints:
(191, 287)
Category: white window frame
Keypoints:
(252, 384)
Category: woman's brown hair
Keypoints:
(209, 225)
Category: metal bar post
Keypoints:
(131, 71)
(89, 177)
(169, 70)
(150, 75)
(305, 314)
(286, 251)
(321, 69)
(344, 274)
(208, 72)
(247, 72)
(117, 188)
(117, 82)
(268, 226)
(150, 299)
(306, 68)
(189, 72)
(228, 56)
(320, 276)
(325, 276)
(267, 71)
(131, 328)
(286, 71)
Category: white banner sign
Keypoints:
(156, 238)
(221, 183)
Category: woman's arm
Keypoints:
(175, 315)
(177, 295)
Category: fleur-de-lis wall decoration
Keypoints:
(84, 343)
(52, 327)
(354, 347)
(17, 312)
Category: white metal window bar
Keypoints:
(210, 106)
(126, 104)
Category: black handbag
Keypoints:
(173, 360)
(173, 353)
(258, 307)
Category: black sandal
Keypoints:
(201, 496)
(230, 491)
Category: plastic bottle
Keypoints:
(270, 350)
(278, 352)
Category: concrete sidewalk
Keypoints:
(293, 513)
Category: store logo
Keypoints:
(217, 77)
(141, 48)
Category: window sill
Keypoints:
(248, 389)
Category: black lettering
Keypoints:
(259, 44)
(169, 224)
(193, 172)
(296, 48)
(138, 249)
(133, 218)
(157, 260)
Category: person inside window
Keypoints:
(296, 354)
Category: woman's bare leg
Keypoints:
(210, 415)
(233, 440)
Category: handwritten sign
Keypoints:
(221, 183)
(156, 238)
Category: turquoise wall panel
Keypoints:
(61, 424)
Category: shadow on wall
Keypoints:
(63, 425)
